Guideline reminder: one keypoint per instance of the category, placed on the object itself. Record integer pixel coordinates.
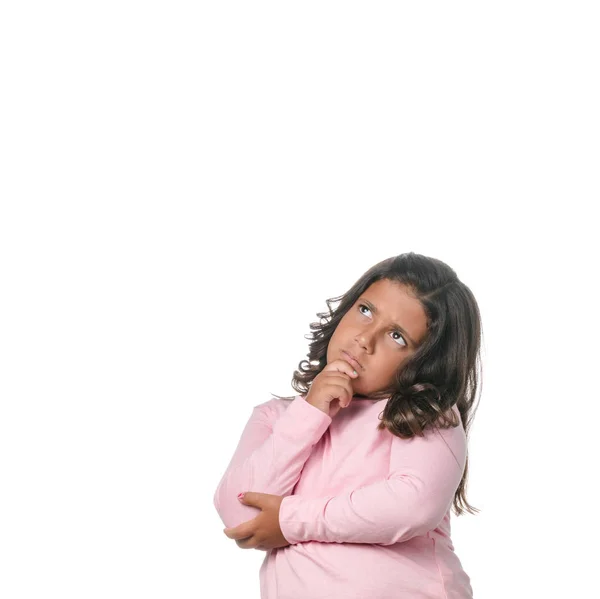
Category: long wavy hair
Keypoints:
(444, 371)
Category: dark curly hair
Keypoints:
(444, 371)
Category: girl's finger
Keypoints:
(343, 386)
(341, 366)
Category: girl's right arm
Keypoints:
(269, 456)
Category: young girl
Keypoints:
(349, 485)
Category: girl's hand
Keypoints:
(331, 389)
(263, 532)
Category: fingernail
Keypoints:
(356, 373)
(240, 496)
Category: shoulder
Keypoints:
(447, 430)
(440, 436)
(452, 438)
(274, 407)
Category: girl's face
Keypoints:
(382, 330)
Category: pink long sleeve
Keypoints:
(411, 500)
(367, 514)
(269, 456)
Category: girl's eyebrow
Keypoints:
(375, 310)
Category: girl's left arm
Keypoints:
(412, 500)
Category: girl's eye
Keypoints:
(401, 337)
(395, 331)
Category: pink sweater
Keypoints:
(367, 513)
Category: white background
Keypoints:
(182, 186)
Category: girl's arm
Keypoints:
(269, 456)
(412, 500)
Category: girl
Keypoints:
(349, 484)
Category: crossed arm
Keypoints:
(411, 500)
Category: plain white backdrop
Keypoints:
(182, 186)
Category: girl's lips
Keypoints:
(351, 360)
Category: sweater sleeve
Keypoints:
(412, 500)
(269, 456)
